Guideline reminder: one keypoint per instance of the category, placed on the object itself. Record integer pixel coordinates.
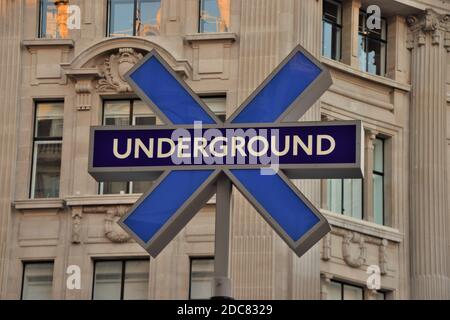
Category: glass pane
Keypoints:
(217, 105)
(362, 53)
(334, 291)
(376, 56)
(141, 186)
(378, 155)
(380, 296)
(54, 16)
(202, 273)
(116, 187)
(142, 114)
(49, 119)
(121, 18)
(352, 206)
(378, 201)
(47, 168)
(352, 293)
(214, 15)
(148, 16)
(37, 281)
(332, 11)
(331, 41)
(107, 280)
(136, 280)
(334, 194)
(116, 113)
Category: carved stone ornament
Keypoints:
(114, 69)
(429, 22)
(112, 230)
(76, 226)
(351, 259)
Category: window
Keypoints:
(342, 291)
(37, 281)
(124, 113)
(217, 104)
(378, 181)
(372, 46)
(332, 26)
(121, 280)
(134, 18)
(201, 280)
(53, 15)
(345, 197)
(47, 147)
(214, 16)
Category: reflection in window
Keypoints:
(214, 16)
(378, 181)
(202, 275)
(134, 18)
(345, 197)
(372, 46)
(37, 281)
(332, 26)
(47, 149)
(127, 112)
(121, 280)
(53, 16)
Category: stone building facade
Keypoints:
(398, 85)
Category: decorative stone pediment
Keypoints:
(102, 66)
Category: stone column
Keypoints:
(429, 224)
(11, 20)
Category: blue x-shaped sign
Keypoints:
(318, 150)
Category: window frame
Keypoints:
(36, 140)
(130, 123)
(343, 194)
(123, 261)
(382, 175)
(368, 37)
(108, 18)
(192, 258)
(342, 285)
(30, 262)
(334, 24)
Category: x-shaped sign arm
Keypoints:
(177, 195)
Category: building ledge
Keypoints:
(107, 199)
(30, 43)
(216, 36)
(364, 75)
(362, 226)
(30, 204)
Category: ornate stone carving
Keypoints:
(112, 230)
(76, 225)
(83, 89)
(349, 257)
(326, 247)
(114, 69)
(428, 22)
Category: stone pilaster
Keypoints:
(370, 136)
(429, 212)
(350, 46)
(11, 21)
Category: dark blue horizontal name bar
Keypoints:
(324, 144)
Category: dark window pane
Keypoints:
(332, 11)
(37, 281)
(121, 18)
(141, 186)
(148, 17)
(107, 280)
(47, 169)
(353, 293)
(142, 114)
(115, 187)
(214, 15)
(49, 120)
(376, 55)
